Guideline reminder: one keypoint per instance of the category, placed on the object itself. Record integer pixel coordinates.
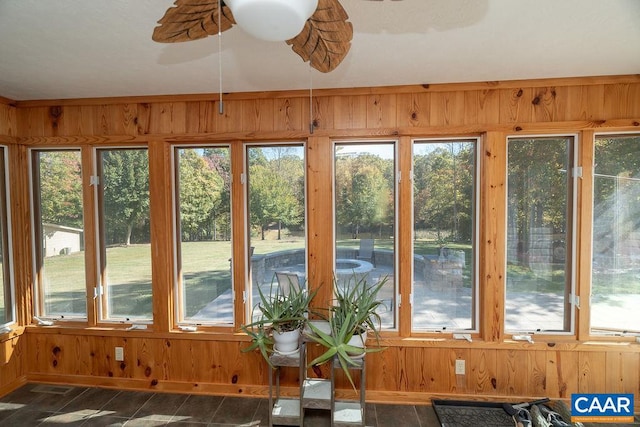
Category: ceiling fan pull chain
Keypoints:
(220, 105)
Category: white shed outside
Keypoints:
(61, 240)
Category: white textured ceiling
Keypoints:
(56, 49)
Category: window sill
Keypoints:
(540, 343)
(546, 343)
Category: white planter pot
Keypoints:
(286, 342)
(321, 325)
(358, 340)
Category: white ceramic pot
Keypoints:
(358, 340)
(322, 325)
(286, 342)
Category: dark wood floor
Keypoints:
(68, 406)
(46, 405)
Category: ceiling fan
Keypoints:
(317, 30)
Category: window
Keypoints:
(125, 249)
(615, 284)
(203, 191)
(444, 291)
(7, 310)
(539, 234)
(365, 200)
(277, 225)
(59, 234)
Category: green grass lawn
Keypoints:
(128, 270)
(523, 279)
(616, 283)
(6, 313)
(205, 268)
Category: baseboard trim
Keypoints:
(256, 391)
(159, 386)
(13, 385)
(260, 391)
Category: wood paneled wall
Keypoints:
(8, 122)
(514, 107)
(12, 359)
(413, 368)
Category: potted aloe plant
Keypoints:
(280, 318)
(353, 314)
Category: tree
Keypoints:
(465, 179)
(219, 161)
(616, 198)
(125, 189)
(364, 193)
(61, 188)
(286, 163)
(538, 186)
(200, 188)
(443, 190)
(276, 187)
(437, 210)
(271, 199)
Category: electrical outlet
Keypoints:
(460, 367)
(119, 354)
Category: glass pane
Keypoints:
(538, 235)
(204, 252)
(365, 219)
(443, 245)
(7, 313)
(125, 231)
(615, 293)
(61, 284)
(277, 227)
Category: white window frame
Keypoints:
(572, 273)
(476, 235)
(41, 318)
(9, 282)
(100, 295)
(396, 197)
(604, 332)
(181, 323)
(248, 291)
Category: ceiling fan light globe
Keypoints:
(272, 20)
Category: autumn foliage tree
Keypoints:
(60, 188)
(443, 191)
(275, 196)
(200, 191)
(364, 193)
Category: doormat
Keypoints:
(460, 413)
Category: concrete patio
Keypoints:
(449, 306)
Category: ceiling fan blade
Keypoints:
(192, 20)
(326, 37)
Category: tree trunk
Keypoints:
(129, 231)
